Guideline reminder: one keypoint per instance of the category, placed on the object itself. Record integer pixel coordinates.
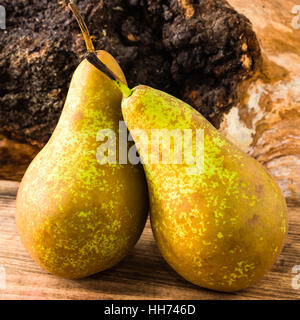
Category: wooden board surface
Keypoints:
(143, 274)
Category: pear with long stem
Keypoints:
(76, 214)
(218, 217)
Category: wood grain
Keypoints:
(143, 274)
(15, 157)
(265, 122)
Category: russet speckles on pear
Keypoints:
(222, 229)
(75, 216)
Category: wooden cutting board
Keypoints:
(143, 274)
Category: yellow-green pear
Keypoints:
(221, 222)
(76, 216)
(219, 218)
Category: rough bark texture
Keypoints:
(197, 50)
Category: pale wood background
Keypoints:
(143, 274)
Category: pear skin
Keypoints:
(221, 229)
(75, 216)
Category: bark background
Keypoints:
(242, 77)
(266, 120)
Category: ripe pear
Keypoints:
(76, 216)
(222, 228)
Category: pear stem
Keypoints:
(96, 62)
(83, 27)
(91, 55)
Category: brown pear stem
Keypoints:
(83, 27)
(96, 62)
(91, 55)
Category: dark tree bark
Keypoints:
(197, 50)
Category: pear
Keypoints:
(218, 217)
(220, 229)
(76, 216)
